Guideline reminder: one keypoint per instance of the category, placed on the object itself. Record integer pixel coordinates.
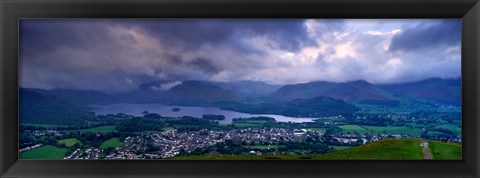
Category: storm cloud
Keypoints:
(428, 35)
(119, 55)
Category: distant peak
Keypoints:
(360, 82)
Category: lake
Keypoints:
(194, 111)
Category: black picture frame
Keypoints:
(12, 10)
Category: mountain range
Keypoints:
(446, 91)
(307, 99)
(352, 92)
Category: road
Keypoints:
(426, 154)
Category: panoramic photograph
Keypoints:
(240, 89)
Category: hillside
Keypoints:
(441, 150)
(248, 88)
(180, 93)
(386, 149)
(199, 92)
(323, 105)
(83, 97)
(353, 92)
(383, 149)
(314, 107)
(447, 91)
(42, 106)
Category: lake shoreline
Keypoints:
(137, 109)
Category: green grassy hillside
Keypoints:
(383, 149)
(441, 150)
(406, 149)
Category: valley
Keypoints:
(207, 120)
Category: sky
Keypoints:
(116, 55)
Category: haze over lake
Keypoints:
(194, 111)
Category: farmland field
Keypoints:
(249, 123)
(69, 141)
(352, 128)
(380, 130)
(394, 130)
(44, 152)
(113, 142)
(406, 105)
(168, 128)
(451, 127)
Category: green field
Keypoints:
(352, 128)
(168, 128)
(380, 130)
(442, 150)
(47, 126)
(249, 123)
(377, 109)
(451, 127)
(44, 152)
(103, 129)
(407, 105)
(113, 142)
(69, 141)
(394, 130)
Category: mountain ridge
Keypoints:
(353, 91)
(446, 91)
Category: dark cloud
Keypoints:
(102, 47)
(205, 65)
(38, 36)
(193, 33)
(119, 55)
(427, 35)
(289, 34)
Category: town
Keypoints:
(171, 143)
(152, 136)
